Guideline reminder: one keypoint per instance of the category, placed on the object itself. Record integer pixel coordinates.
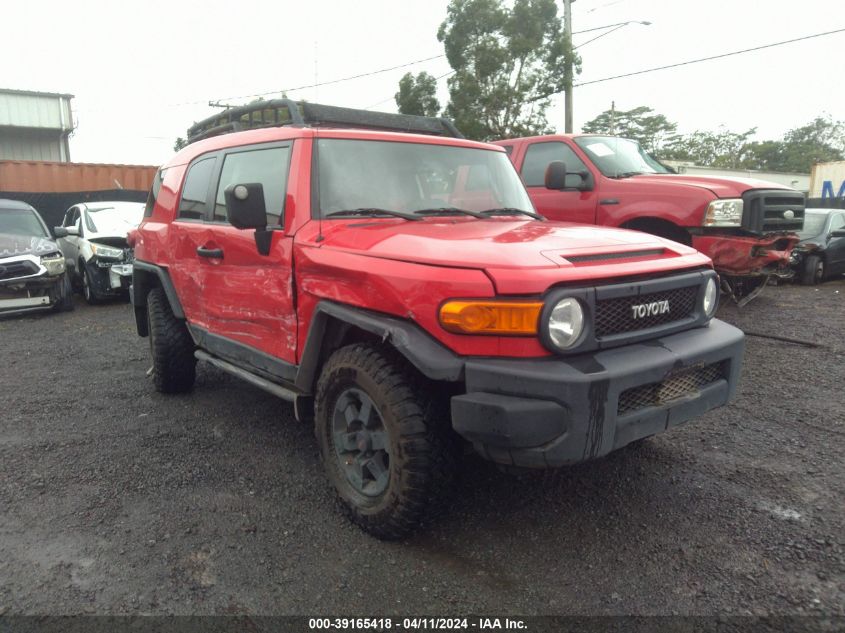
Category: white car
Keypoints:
(93, 241)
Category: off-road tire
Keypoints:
(813, 271)
(64, 302)
(174, 364)
(423, 449)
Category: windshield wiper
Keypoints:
(511, 211)
(373, 211)
(628, 174)
(449, 211)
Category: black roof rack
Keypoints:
(281, 112)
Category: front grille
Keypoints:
(615, 316)
(13, 270)
(680, 384)
(769, 211)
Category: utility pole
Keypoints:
(568, 70)
(613, 118)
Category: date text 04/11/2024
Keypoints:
(430, 623)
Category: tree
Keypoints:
(821, 140)
(418, 95)
(507, 62)
(642, 124)
(179, 144)
(725, 149)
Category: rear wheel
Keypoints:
(814, 271)
(384, 439)
(174, 364)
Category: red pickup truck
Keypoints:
(747, 227)
(401, 291)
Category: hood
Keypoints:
(721, 187)
(14, 245)
(507, 250)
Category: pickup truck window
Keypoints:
(619, 157)
(195, 192)
(538, 157)
(267, 166)
(411, 177)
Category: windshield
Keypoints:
(115, 220)
(813, 225)
(409, 177)
(619, 157)
(21, 222)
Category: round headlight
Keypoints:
(711, 297)
(566, 323)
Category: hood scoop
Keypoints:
(652, 253)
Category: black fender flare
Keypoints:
(146, 276)
(430, 357)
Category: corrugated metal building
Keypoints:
(35, 125)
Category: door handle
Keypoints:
(212, 253)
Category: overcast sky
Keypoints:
(143, 71)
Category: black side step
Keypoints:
(258, 381)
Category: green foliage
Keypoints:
(418, 95)
(642, 124)
(820, 140)
(507, 61)
(179, 144)
(723, 148)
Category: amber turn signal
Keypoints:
(506, 318)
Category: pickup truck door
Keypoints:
(248, 297)
(565, 206)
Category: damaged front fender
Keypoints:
(742, 256)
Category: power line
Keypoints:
(333, 81)
(705, 59)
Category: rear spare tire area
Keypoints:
(385, 439)
(171, 346)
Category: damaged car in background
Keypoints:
(820, 254)
(93, 238)
(32, 268)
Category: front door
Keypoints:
(248, 296)
(564, 206)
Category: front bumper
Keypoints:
(545, 413)
(742, 256)
(35, 294)
(110, 277)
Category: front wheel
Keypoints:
(64, 303)
(89, 292)
(814, 271)
(384, 438)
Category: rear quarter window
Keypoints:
(153, 194)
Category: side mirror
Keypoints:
(245, 206)
(838, 233)
(64, 231)
(555, 177)
(246, 209)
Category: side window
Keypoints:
(268, 166)
(69, 221)
(153, 195)
(538, 157)
(837, 222)
(195, 191)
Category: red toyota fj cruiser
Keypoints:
(393, 280)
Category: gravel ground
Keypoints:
(115, 499)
